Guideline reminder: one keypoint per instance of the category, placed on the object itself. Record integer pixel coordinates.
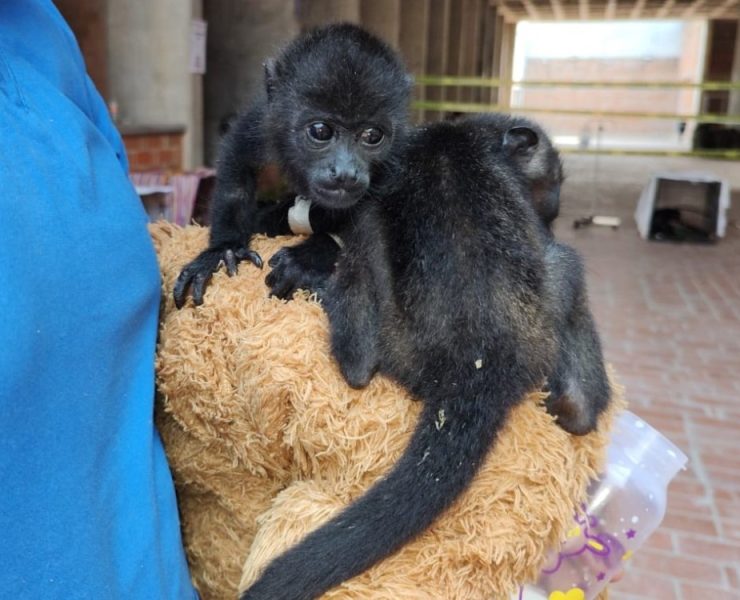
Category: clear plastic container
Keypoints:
(624, 507)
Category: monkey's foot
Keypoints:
(306, 266)
(196, 274)
(572, 411)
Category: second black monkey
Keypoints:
(333, 115)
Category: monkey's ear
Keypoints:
(520, 138)
(270, 77)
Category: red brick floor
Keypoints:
(669, 317)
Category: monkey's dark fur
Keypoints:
(453, 286)
(332, 116)
(307, 264)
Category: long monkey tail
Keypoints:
(452, 437)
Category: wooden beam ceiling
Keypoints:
(557, 9)
(725, 9)
(636, 12)
(691, 10)
(553, 10)
(531, 9)
(665, 9)
(611, 9)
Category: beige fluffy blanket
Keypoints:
(266, 442)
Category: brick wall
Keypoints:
(154, 150)
(604, 99)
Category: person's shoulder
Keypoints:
(35, 37)
(39, 54)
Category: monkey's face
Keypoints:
(338, 159)
(337, 106)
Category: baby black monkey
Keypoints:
(333, 115)
(452, 285)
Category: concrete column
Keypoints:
(241, 35)
(470, 47)
(498, 35)
(733, 107)
(148, 50)
(690, 68)
(437, 52)
(488, 43)
(508, 34)
(454, 45)
(312, 13)
(413, 43)
(383, 18)
(195, 140)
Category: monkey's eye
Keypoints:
(372, 136)
(320, 132)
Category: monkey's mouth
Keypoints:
(337, 197)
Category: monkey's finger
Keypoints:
(282, 286)
(271, 279)
(285, 292)
(279, 257)
(198, 287)
(277, 282)
(230, 262)
(180, 291)
(256, 259)
(250, 255)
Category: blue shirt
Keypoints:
(87, 505)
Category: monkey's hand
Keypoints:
(307, 266)
(196, 274)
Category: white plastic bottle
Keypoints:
(624, 507)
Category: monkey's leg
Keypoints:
(579, 388)
(233, 211)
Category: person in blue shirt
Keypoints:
(87, 504)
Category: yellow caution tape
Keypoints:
(469, 107)
(445, 81)
(716, 154)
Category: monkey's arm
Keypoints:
(272, 217)
(233, 210)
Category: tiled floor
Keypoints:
(669, 316)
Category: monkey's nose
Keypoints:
(342, 177)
